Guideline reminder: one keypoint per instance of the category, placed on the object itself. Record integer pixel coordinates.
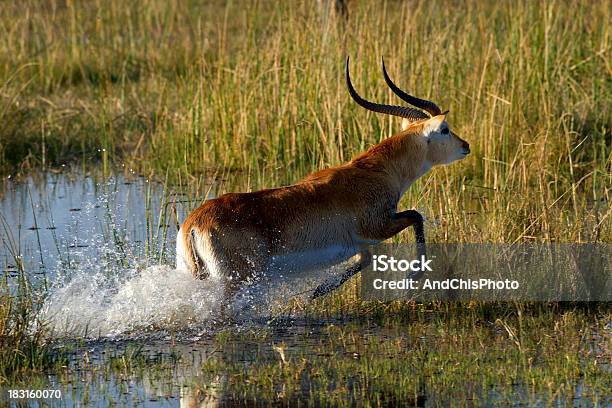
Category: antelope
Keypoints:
(330, 216)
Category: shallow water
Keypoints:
(60, 221)
(105, 250)
(141, 333)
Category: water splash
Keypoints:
(99, 239)
(156, 299)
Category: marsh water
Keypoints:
(100, 252)
(105, 249)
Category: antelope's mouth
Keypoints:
(466, 151)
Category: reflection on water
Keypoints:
(167, 381)
(185, 374)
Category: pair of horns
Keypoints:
(404, 112)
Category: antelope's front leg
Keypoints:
(414, 218)
(383, 229)
(404, 219)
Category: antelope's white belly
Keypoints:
(304, 261)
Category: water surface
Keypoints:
(105, 250)
(140, 333)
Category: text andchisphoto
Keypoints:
(384, 263)
(445, 284)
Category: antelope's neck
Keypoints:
(408, 163)
(400, 159)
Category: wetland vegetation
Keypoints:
(116, 118)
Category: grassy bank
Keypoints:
(254, 94)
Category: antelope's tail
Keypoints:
(187, 257)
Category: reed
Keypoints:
(251, 95)
(22, 349)
(255, 92)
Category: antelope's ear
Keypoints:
(433, 124)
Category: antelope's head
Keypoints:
(443, 146)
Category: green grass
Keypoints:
(464, 354)
(251, 94)
(254, 94)
(439, 354)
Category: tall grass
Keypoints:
(254, 91)
(252, 94)
(22, 349)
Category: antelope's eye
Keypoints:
(445, 130)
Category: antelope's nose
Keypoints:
(466, 147)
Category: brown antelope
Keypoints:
(328, 217)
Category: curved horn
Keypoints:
(401, 111)
(426, 105)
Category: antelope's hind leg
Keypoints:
(240, 259)
(365, 258)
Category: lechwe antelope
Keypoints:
(328, 217)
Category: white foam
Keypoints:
(154, 299)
